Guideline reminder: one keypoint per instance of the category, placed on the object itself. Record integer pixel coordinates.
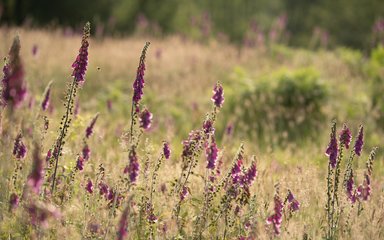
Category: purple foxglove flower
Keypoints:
(152, 218)
(103, 189)
(349, 188)
(80, 163)
(89, 186)
(35, 179)
(208, 127)
(19, 149)
(251, 174)
(211, 152)
(218, 95)
(236, 171)
(145, 119)
(111, 197)
(359, 141)
(89, 130)
(184, 193)
(45, 102)
(332, 150)
(293, 204)
(166, 150)
(13, 201)
(364, 190)
(276, 218)
(86, 152)
(122, 230)
(138, 84)
(345, 136)
(14, 87)
(133, 167)
(80, 64)
(189, 144)
(49, 155)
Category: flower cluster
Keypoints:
(122, 230)
(19, 149)
(293, 204)
(166, 150)
(133, 168)
(211, 153)
(14, 87)
(218, 95)
(345, 136)
(359, 141)
(35, 179)
(332, 150)
(145, 119)
(277, 217)
(89, 129)
(80, 64)
(138, 84)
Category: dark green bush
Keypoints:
(280, 108)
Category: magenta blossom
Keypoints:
(166, 150)
(211, 152)
(236, 171)
(122, 230)
(138, 84)
(332, 150)
(89, 186)
(345, 136)
(293, 204)
(86, 152)
(145, 119)
(80, 163)
(364, 190)
(13, 201)
(251, 174)
(35, 179)
(277, 217)
(19, 149)
(89, 130)
(184, 193)
(80, 64)
(359, 141)
(14, 88)
(218, 95)
(349, 185)
(133, 168)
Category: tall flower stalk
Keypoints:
(14, 87)
(133, 166)
(79, 70)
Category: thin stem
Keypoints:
(59, 143)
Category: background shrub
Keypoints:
(283, 107)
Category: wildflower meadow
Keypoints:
(171, 138)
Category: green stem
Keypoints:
(60, 143)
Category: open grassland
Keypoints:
(288, 150)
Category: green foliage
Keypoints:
(282, 107)
(375, 70)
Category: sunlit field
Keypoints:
(220, 141)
